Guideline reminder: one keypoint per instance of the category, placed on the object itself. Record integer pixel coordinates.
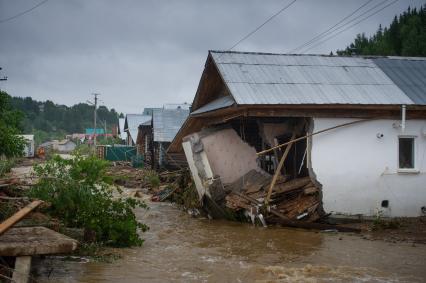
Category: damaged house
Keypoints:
(308, 135)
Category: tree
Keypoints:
(10, 144)
(406, 36)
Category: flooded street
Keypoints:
(179, 248)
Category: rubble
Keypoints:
(297, 199)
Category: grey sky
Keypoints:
(146, 53)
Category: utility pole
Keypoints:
(94, 120)
(4, 78)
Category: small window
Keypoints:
(406, 153)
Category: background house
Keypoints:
(258, 100)
(29, 145)
(131, 125)
(165, 124)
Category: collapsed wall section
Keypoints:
(227, 170)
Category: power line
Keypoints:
(23, 13)
(333, 36)
(347, 23)
(264, 23)
(329, 29)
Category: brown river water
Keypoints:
(180, 248)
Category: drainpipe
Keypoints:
(403, 116)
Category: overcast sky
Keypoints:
(146, 53)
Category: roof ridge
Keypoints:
(322, 55)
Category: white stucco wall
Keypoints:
(358, 170)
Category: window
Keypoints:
(406, 153)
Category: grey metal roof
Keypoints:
(219, 103)
(167, 122)
(259, 78)
(409, 74)
(132, 123)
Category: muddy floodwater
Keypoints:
(179, 248)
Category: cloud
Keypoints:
(146, 53)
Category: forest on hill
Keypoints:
(406, 36)
(47, 120)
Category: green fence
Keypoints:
(120, 153)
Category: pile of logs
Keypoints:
(297, 199)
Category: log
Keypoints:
(18, 216)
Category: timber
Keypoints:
(24, 241)
(311, 225)
(278, 169)
(292, 185)
(5, 225)
(310, 135)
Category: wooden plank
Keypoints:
(35, 241)
(22, 269)
(18, 216)
(278, 170)
(292, 185)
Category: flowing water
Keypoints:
(179, 248)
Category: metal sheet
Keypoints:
(132, 123)
(409, 74)
(167, 122)
(255, 78)
(219, 103)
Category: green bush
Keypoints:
(6, 165)
(153, 179)
(81, 197)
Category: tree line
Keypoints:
(47, 120)
(406, 36)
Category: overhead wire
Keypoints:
(23, 13)
(330, 28)
(363, 19)
(260, 26)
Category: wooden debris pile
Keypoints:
(127, 176)
(297, 199)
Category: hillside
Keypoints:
(47, 120)
(406, 36)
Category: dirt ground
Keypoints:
(410, 230)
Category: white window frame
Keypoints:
(413, 170)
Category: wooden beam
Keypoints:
(311, 225)
(22, 269)
(310, 135)
(278, 170)
(18, 216)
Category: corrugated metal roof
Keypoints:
(219, 103)
(167, 122)
(409, 74)
(257, 78)
(132, 123)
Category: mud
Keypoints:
(179, 248)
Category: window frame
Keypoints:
(413, 170)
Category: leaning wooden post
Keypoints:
(18, 216)
(278, 170)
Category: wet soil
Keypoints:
(179, 248)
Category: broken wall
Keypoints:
(229, 156)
